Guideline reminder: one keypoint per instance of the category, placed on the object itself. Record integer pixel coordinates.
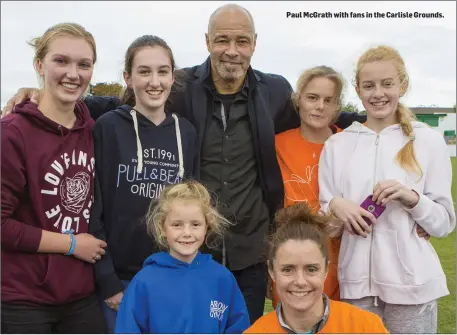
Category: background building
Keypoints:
(442, 119)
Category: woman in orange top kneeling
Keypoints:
(298, 263)
(318, 101)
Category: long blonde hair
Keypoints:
(406, 157)
(188, 191)
(320, 72)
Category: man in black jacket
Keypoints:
(237, 111)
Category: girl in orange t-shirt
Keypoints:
(318, 101)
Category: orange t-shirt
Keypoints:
(343, 319)
(299, 162)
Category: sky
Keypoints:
(285, 46)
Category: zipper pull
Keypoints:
(377, 139)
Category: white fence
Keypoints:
(452, 150)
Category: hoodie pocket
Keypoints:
(67, 278)
(45, 270)
(354, 258)
(388, 266)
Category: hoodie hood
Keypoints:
(31, 111)
(140, 121)
(126, 112)
(164, 259)
(360, 128)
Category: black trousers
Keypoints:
(82, 316)
(252, 282)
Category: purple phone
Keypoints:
(371, 206)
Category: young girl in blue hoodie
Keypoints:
(183, 290)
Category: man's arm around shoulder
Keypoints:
(99, 105)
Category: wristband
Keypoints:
(72, 242)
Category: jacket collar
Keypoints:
(317, 327)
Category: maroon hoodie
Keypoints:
(47, 184)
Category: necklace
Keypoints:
(308, 142)
(308, 145)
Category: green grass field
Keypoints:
(446, 251)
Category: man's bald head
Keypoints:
(232, 9)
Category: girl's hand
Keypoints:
(89, 248)
(352, 216)
(114, 301)
(422, 233)
(388, 190)
(334, 227)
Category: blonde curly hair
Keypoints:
(189, 190)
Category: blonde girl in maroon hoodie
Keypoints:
(47, 160)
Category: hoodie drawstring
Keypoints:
(139, 148)
(178, 140)
(375, 302)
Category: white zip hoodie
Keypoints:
(393, 262)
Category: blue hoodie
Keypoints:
(171, 296)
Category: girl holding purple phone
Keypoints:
(381, 180)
